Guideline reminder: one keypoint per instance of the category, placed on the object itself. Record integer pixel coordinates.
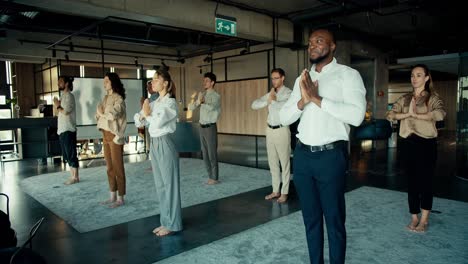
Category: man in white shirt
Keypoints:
(327, 99)
(66, 126)
(278, 137)
(209, 102)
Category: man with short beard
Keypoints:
(66, 126)
(327, 99)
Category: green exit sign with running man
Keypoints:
(226, 26)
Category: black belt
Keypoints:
(330, 146)
(274, 127)
(207, 125)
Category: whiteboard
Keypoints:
(89, 92)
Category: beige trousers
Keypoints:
(278, 142)
(113, 154)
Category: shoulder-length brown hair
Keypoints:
(171, 88)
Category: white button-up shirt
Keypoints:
(163, 118)
(343, 104)
(66, 120)
(275, 106)
(210, 110)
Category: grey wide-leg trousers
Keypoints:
(165, 165)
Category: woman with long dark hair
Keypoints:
(418, 112)
(161, 117)
(112, 120)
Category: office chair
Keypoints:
(7, 204)
(31, 256)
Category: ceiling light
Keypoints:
(207, 59)
(181, 60)
(30, 14)
(246, 50)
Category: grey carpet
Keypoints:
(78, 204)
(375, 224)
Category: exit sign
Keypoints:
(226, 26)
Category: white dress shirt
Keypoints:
(163, 118)
(275, 106)
(343, 104)
(66, 120)
(210, 110)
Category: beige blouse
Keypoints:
(114, 118)
(411, 125)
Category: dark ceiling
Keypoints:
(401, 28)
(185, 42)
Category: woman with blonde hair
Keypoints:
(112, 121)
(161, 117)
(418, 112)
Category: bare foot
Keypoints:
(106, 202)
(212, 182)
(157, 229)
(164, 232)
(272, 195)
(412, 225)
(422, 227)
(283, 198)
(117, 204)
(72, 181)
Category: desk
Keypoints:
(40, 122)
(37, 136)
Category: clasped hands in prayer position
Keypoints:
(309, 91)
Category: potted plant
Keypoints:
(14, 102)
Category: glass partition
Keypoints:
(462, 119)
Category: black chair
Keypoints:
(9, 253)
(8, 238)
(7, 204)
(28, 256)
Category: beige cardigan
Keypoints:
(114, 118)
(422, 128)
